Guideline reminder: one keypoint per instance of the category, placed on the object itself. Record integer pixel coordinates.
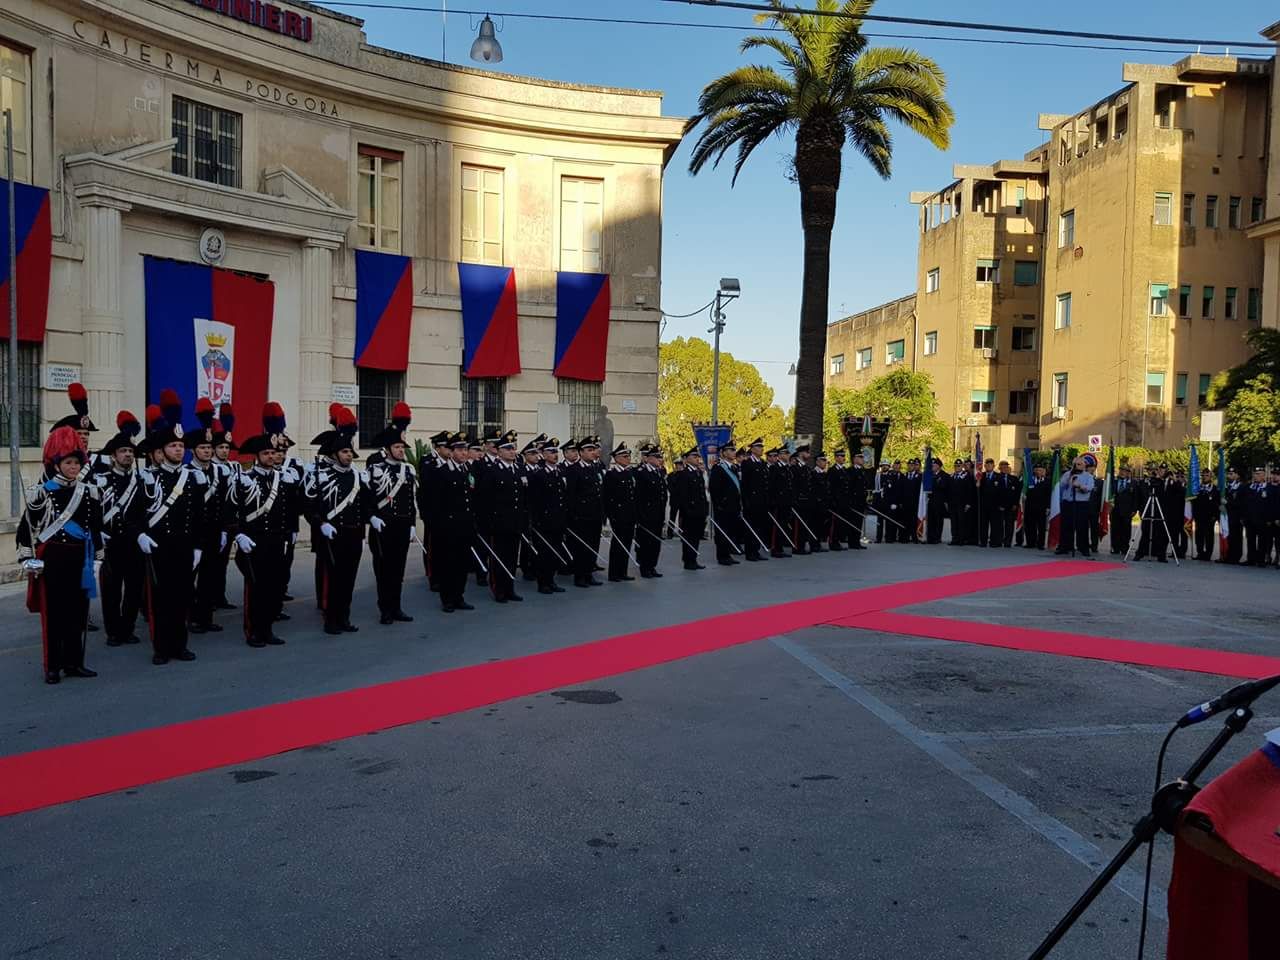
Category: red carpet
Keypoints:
(55, 775)
(1249, 666)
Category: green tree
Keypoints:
(684, 397)
(832, 89)
(1265, 343)
(904, 396)
(1252, 434)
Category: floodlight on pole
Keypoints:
(728, 291)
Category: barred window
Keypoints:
(583, 398)
(209, 142)
(483, 405)
(380, 390)
(28, 394)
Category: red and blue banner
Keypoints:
(384, 307)
(490, 328)
(582, 325)
(34, 258)
(208, 334)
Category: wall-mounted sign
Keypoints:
(213, 246)
(59, 376)
(347, 394)
(629, 406)
(260, 14)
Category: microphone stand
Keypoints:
(1167, 805)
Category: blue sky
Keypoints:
(752, 231)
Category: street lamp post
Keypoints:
(15, 452)
(728, 291)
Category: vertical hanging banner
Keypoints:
(582, 325)
(490, 328)
(709, 436)
(384, 307)
(208, 334)
(34, 258)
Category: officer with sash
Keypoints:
(210, 574)
(122, 572)
(687, 485)
(726, 505)
(263, 496)
(586, 511)
(339, 505)
(57, 537)
(395, 495)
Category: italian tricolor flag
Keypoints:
(1055, 505)
(1108, 493)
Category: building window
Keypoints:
(209, 142)
(1180, 390)
(1254, 304)
(1100, 132)
(1163, 215)
(483, 405)
(1184, 301)
(481, 214)
(895, 351)
(1155, 389)
(837, 364)
(1257, 209)
(1122, 122)
(980, 401)
(1060, 390)
(380, 390)
(988, 271)
(583, 398)
(29, 433)
(1020, 200)
(1230, 310)
(1202, 394)
(931, 343)
(1067, 229)
(1159, 299)
(15, 95)
(581, 224)
(1234, 213)
(984, 338)
(1062, 315)
(1026, 273)
(864, 359)
(1188, 209)
(1024, 338)
(378, 216)
(1164, 107)
(1211, 211)
(1020, 402)
(931, 281)
(1206, 304)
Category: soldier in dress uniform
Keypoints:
(339, 507)
(341, 420)
(781, 502)
(821, 482)
(754, 471)
(428, 472)
(527, 465)
(394, 484)
(79, 421)
(263, 497)
(216, 514)
(452, 526)
(568, 464)
(586, 511)
(1255, 519)
(548, 501)
(963, 506)
(170, 518)
(803, 533)
(651, 509)
(1234, 496)
(939, 496)
(859, 484)
(620, 508)
(1204, 511)
(909, 502)
(223, 446)
(121, 574)
(57, 537)
(999, 505)
(726, 504)
(1122, 511)
(274, 425)
(687, 486)
(500, 516)
(838, 493)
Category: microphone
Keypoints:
(1240, 695)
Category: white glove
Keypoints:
(222, 543)
(106, 537)
(293, 538)
(196, 554)
(244, 543)
(146, 544)
(377, 523)
(327, 531)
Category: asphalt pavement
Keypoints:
(830, 792)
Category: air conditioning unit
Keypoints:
(1033, 384)
(989, 353)
(1059, 413)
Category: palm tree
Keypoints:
(832, 89)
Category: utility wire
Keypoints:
(962, 25)
(744, 28)
(683, 316)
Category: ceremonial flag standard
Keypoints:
(1055, 505)
(208, 334)
(34, 258)
(1224, 526)
(384, 307)
(582, 325)
(708, 435)
(1193, 488)
(1028, 468)
(1108, 493)
(926, 487)
(490, 327)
